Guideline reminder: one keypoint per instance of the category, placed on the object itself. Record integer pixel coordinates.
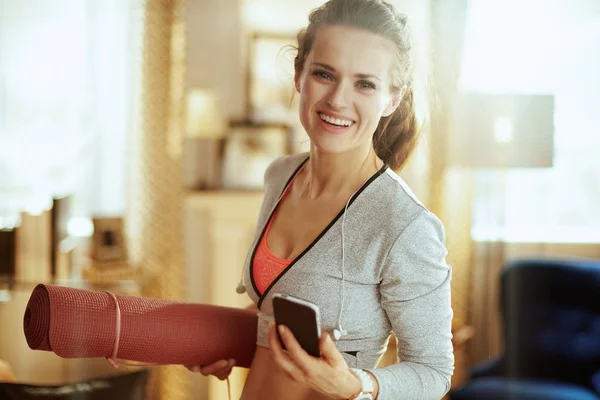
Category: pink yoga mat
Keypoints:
(76, 323)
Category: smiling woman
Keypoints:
(378, 72)
(345, 87)
(340, 229)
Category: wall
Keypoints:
(215, 51)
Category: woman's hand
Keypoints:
(221, 369)
(328, 374)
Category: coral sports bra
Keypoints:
(267, 266)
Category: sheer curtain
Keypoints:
(67, 74)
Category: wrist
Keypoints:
(351, 386)
(368, 385)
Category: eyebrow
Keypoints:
(330, 68)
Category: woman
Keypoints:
(340, 229)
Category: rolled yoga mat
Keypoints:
(77, 323)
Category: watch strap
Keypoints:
(366, 382)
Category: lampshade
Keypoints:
(204, 116)
(502, 131)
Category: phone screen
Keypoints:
(302, 318)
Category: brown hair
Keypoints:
(396, 136)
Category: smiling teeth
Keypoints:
(335, 121)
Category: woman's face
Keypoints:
(345, 88)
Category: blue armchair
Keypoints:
(551, 324)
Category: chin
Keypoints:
(329, 143)
(332, 146)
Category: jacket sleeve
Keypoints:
(415, 293)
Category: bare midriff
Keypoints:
(266, 381)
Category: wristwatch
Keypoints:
(366, 382)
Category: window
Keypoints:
(67, 69)
(540, 46)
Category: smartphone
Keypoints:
(302, 318)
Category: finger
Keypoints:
(280, 357)
(230, 365)
(226, 371)
(193, 368)
(214, 367)
(329, 352)
(272, 337)
(222, 375)
(295, 351)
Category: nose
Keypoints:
(338, 96)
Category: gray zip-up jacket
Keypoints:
(395, 279)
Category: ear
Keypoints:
(394, 102)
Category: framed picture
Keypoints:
(270, 80)
(249, 149)
(108, 240)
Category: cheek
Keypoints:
(310, 95)
(311, 92)
(306, 103)
(373, 108)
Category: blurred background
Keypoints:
(134, 136)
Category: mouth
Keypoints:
(336, 122)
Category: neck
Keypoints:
(329, 175)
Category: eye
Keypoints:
(322, 74)
(366, 85)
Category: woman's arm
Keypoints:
(415, 293)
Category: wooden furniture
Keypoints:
(218, 230)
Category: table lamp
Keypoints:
(502, 131)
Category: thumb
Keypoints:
(329, 352)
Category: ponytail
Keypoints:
(397, 135)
